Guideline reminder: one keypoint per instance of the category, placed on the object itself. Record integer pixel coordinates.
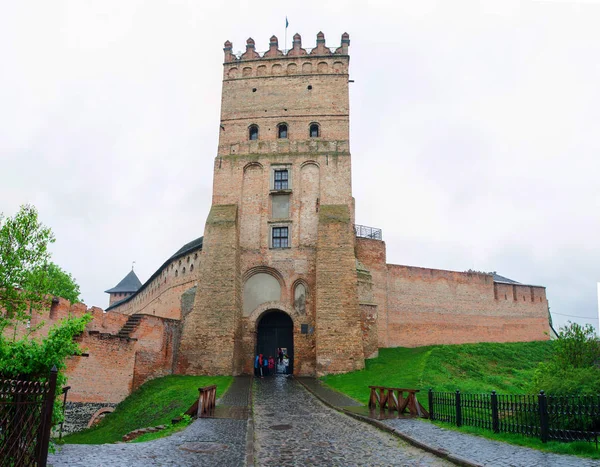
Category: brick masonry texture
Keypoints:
(211, 330)
(193, 318)
(339, 336)
(421, 306)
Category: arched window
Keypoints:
(282, 131)
(253, 132)
(314, 130)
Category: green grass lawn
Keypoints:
(472, 368)
(505, 368)
(156, 402)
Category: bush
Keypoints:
(573, 367)
(555, 379)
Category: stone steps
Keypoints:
(132, 323)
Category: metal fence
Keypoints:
(556, 418)
(363, 231)
(26, 420)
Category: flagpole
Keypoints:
(285, 37)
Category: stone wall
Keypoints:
(428, 306)
(372, 255)
(79, 414)
(105, 372)
(368, 311)
(339, 343)
(111, 365)
(161, 295)
(422, 306)
(210, 332)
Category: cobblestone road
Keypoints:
(292, 428)
(484, 451)
(206, 442)
(475, 449)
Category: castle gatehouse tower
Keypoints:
(278, 256)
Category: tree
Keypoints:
(28, 281)
(60, 283)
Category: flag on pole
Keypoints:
(286, 22)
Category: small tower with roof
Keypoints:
(128, 286)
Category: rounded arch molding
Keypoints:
(253, 165)
(265, 270)
(255, 316)
(97, 413)
(310, 162)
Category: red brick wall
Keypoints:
(162, 296)
(339, 343)
(372, 254)
(106, 375)
(429, 306)
(113, 366)
(156, 340)
(212, 330)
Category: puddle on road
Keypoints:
(203, 447)
(281, 427)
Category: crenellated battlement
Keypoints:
(297, 60)
(296, 50)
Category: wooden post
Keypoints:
(382, 399)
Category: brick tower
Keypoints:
(279, 239)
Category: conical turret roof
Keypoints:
(130, 283)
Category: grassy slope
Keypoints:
(156, 402)
(506, 368)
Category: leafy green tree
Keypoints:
(24, 242)
(59, 283)
(28, 281)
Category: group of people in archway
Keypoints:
(264, 366)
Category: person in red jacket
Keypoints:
(260, 364)
(271, 365)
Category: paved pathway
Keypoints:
(475, 449)
(206, 442)
(484, 451)
(292, 428)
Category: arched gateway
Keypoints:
(275, 330)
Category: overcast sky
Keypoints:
(474, 129)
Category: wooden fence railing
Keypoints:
(204, 405)
(207, 400)
(394, 399)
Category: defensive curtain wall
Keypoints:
(420, 306)
(121, 352)
(161, 294)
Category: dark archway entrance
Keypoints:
(275, 329)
